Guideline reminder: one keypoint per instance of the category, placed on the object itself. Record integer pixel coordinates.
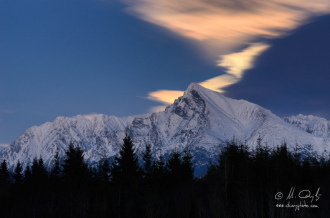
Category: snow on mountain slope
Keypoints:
(315, 125)
(96, 136)
(201, 118)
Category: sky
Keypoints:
(132, 57)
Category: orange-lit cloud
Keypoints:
(237, 63)
(89, 116)
(165, 96)
(228, 23)
(219, 82)
(221, 27)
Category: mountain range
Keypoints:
(201, 119)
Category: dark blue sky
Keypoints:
(64, 58)
(293, 76)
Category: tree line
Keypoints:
(241, 183)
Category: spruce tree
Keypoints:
(34, 167)
(232, 168)
(42, 168)
(4, 173)
(56, 170)
(18, 174)
(39, 173)
(27, 175)
(187, 165)
(147, 161)
(125, 170)
(103, 170)
(158, 172)
(174, 168)
(75, 170)
(158, 165)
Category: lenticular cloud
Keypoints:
(232, 31)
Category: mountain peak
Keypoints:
(193, 86)
(201, 118)
(199, 88)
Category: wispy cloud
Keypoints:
(228, 23)
(4, 145)
(236, 64)
(222, 27)
(165, 96)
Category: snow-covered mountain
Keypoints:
(315, 125)
(201, 118)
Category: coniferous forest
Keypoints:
(263, 182)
